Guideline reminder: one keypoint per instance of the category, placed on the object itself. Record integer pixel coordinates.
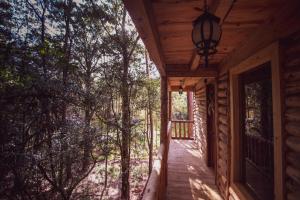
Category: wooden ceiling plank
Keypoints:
(283, 23)
(142, 15)
(184, 71)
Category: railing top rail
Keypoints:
(152, 188)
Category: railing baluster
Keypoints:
(182, 129)
(175, 130)
(179, 129)
(184, 135)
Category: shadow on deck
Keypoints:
(188, 175)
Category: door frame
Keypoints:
(271, 54)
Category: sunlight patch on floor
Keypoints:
(188, 176)
(198, 185)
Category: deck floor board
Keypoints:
(188, 176)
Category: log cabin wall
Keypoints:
(291, 124)
(290, 90)
(199, 111)
(223, 134)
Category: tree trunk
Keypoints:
(66, 46)
(125, 156)
(150, 118)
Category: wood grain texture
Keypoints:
(200, 124)
(291, 77)
(142, 15)
(188, 176)
(223, 126)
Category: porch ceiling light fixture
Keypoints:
(206, 33)
(181, 87)
(180, 90)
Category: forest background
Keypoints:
(79, 101)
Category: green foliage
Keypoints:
(179, 106)
(60, 94)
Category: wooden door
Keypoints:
(257, 132)
(211, 136)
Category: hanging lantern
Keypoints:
(180, 90)
(181, 87)
(206, 34)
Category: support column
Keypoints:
(164, 133)
(190, 111)
(170, 105)
(163, 109)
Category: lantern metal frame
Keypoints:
(206, 47)
(180, 90)
(181, 87)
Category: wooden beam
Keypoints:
(186, 88)
(141, 13)
(219, 8)
(195, 61)
(214, 5)
(183, 71)
(284, 22)
(177, 67)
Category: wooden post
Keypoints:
(190, 112)
(163, 109)
(164, 129)
(170, 105)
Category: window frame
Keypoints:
(269, 54)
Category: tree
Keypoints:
(72, 86)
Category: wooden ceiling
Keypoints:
(174, 18)
(166, 25)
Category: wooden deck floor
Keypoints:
(188, 176)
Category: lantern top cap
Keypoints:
(206, 15)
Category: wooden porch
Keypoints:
(188, 175)
(260, 45)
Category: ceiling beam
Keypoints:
(183, 71)
(141, 13)
(195, 61)
(284, 22)
(186, 88)
(214, 5)
(218, 8)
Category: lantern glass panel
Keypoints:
(206, 30)
(197, 33)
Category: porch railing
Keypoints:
(156, 185)
(182, 129)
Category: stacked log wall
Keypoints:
(291, 117)
(200, 125)
(223, 134)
